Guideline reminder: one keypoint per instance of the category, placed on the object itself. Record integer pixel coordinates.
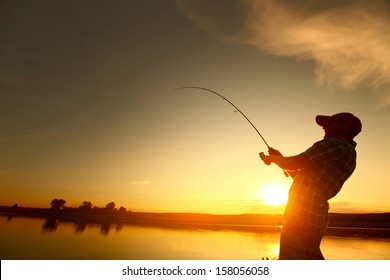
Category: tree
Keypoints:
(86, 205)
(110, 206)
(57, 204)
(122, 209)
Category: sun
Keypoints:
(274, 194)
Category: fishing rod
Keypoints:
(228, 101)
(270, 150)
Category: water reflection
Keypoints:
(50, 224)
(22, 238)
(80, 226)
(105, 229)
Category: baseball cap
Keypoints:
(352, 121)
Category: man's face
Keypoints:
(334, 128)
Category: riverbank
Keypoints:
(371, 225)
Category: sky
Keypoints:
(88, 111)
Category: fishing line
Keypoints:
(238, 110)
(228, 101)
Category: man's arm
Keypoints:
(287, 163)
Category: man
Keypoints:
(319, 173)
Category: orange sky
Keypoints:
(87, 111)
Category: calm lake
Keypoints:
(32, 238)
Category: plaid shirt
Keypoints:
(332, 163)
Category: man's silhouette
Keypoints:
(319, 173)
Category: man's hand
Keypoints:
(273, 152)
(265, 158)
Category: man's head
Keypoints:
(341, 125)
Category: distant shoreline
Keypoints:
(365, 225)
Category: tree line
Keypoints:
(59, 204)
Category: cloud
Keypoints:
(141, 182)
(35, 135)
(8, 78)
(350, 207)
(225, 22)
(30, 56)
(34, 99)
(350, 44)
(348, 40)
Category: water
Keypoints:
(31, 238)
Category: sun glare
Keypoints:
(274, 194)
